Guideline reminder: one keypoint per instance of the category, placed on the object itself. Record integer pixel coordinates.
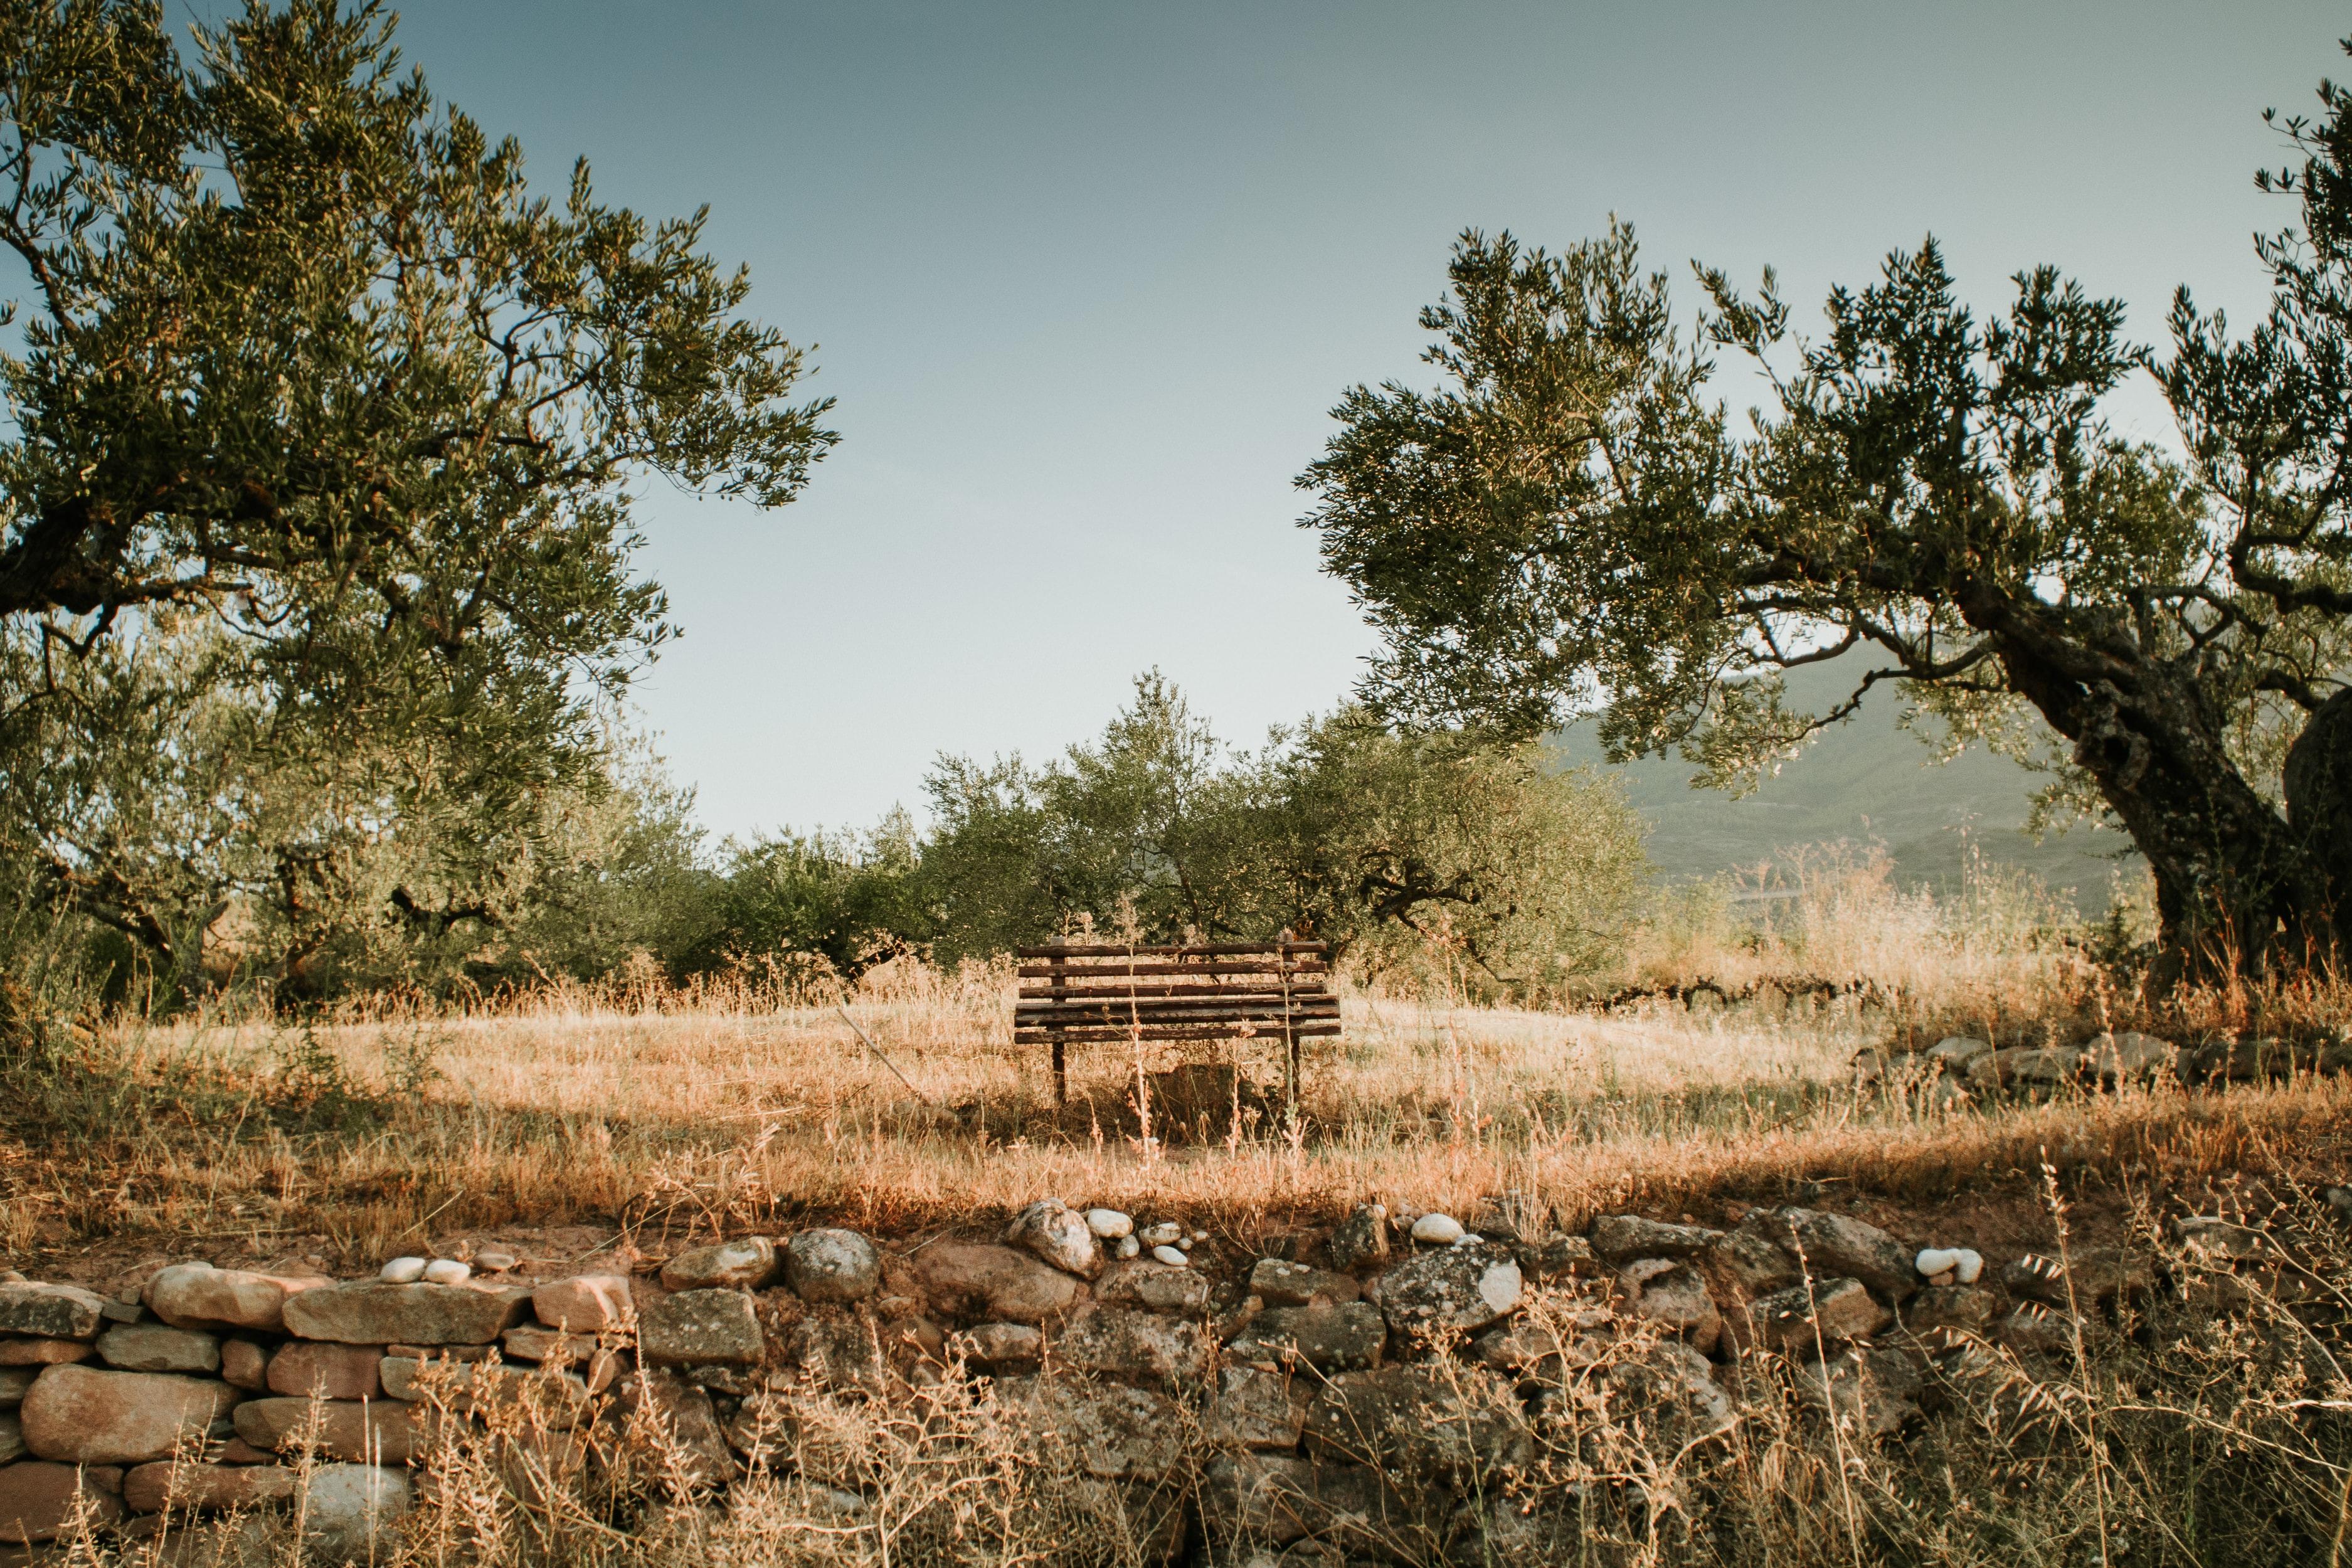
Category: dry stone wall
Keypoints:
(1308, 1372)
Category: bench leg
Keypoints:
(1061, 1077)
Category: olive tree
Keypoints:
(1572, 523)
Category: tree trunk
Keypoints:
(2319, 800)
(2237, 886)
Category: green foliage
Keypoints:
(316, 546)
(1569, 523)
(850, 901)
(1424, 856)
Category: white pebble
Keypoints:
(1171, 1257)
(1164, 1233)
(1469, 1239)
(1437, 1229)
(1184, 1243)
(1968, 1267)
(1935, 1260)
(403, 1270)
(1109, 1223)
(1130, 1248)
(446, 1271)
(1199, 1236)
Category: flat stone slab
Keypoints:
(198, 1296)
(87, 1415)
(205, 1488)
(1122, 1342)
(52, 1312)
(37, 1500)
(380, 1431)
(159, 1347)
(1157, 1287)
(1280, 1283)
(964, 1280)
(1452, 1288)
(378, 1312)
(701, 1328)
(1344, 1337)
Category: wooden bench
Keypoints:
(1076, 994)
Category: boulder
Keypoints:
(1282, 1284)
(832, 1267)
(383, 1431)
(1362, 1238)
(375, 1312)
(1554, 1257)
(205, 1488)
(1273, 1499)
(1454, 1289)
(748, 1264)
(2128, 1057)
(159, 1347)
(51, 1311)
(1059, 1235)
(198, 1296)
(1154, 1286)
(304, 1367)
(1120, 1343)
(14, 1382)
(584, 1304)
(1349, 1337)
(1678, 1300)
(1949, 1310)
(1752, 1257)
(2082, 1279)
(1001, 1347)
(1869, 1392)
(1833, 1312)
(1838, 1246)
(1619, 1239)
(993, 1282)
(37, 1500)
(1116, 1432)
(690, 1439)
(44, 1352)
(83, 1416)
(351, 1513)
(2030, 1069)
(1257, 1408)
(700, 1328)
(1423, 1421)
(243, 1364)
(834, 1349)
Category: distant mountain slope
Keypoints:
(1868, 781)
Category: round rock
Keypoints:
(1110, 1224)
(403, 1270)
(1438, 1230)
(832, 1267)
(1052, 1230)
(1171, 1257)
(349, 1512)
(447, 1271)
(745, 1265)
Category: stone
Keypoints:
(198, 1296)
(1870, 1392)
(447, 1271)
(1110, 1224)
(748, 1264)
(2035, 1327)
(2250, 1061)
(2034, 1068)
(1438, 1230)
(1362, 1238)
(1554, 1257)
(1167, 1233)
(351, 1513)
(495, 1260)
(14, 1381)
(1256, 1407)
(1935, 1260)
(1420, 1421)
(696, 1327)
(993, 1282)
(238, 1451)
(1002, 1346)
(1120, 1343)
(1128, 1246)
(585, 1303)
(833, 1348)
(2128, 1057)
(1677, 1302)
(51, 1311)
(1945, 1312)
(1956, 1053)
(12, 1438)
(2214, 1240)
(1840, 1247)
(37, 1500)
(548, 1393)
(1279, 1499)
(1753, 1257)
(1346, 1337)
(2083, 1279)
(205, 1488)
(1154, 1286)
(1115, 1431)
(1835, 1309)
(44, 1352)
(1455, 1289)
(1058, 1235)
(1173, 1257)
(1283, 1284)
(84, 1416)
(832, 1267)
(1620, 1238)
(693, 1439)
(1542, 1347)
(159, 1347)
(372, 1312)
(404, 1271)
(380, 1431)
(304, 1367)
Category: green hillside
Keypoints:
(1868, 781)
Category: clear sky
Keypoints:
(1087, 278)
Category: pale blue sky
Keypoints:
(1086, 277)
